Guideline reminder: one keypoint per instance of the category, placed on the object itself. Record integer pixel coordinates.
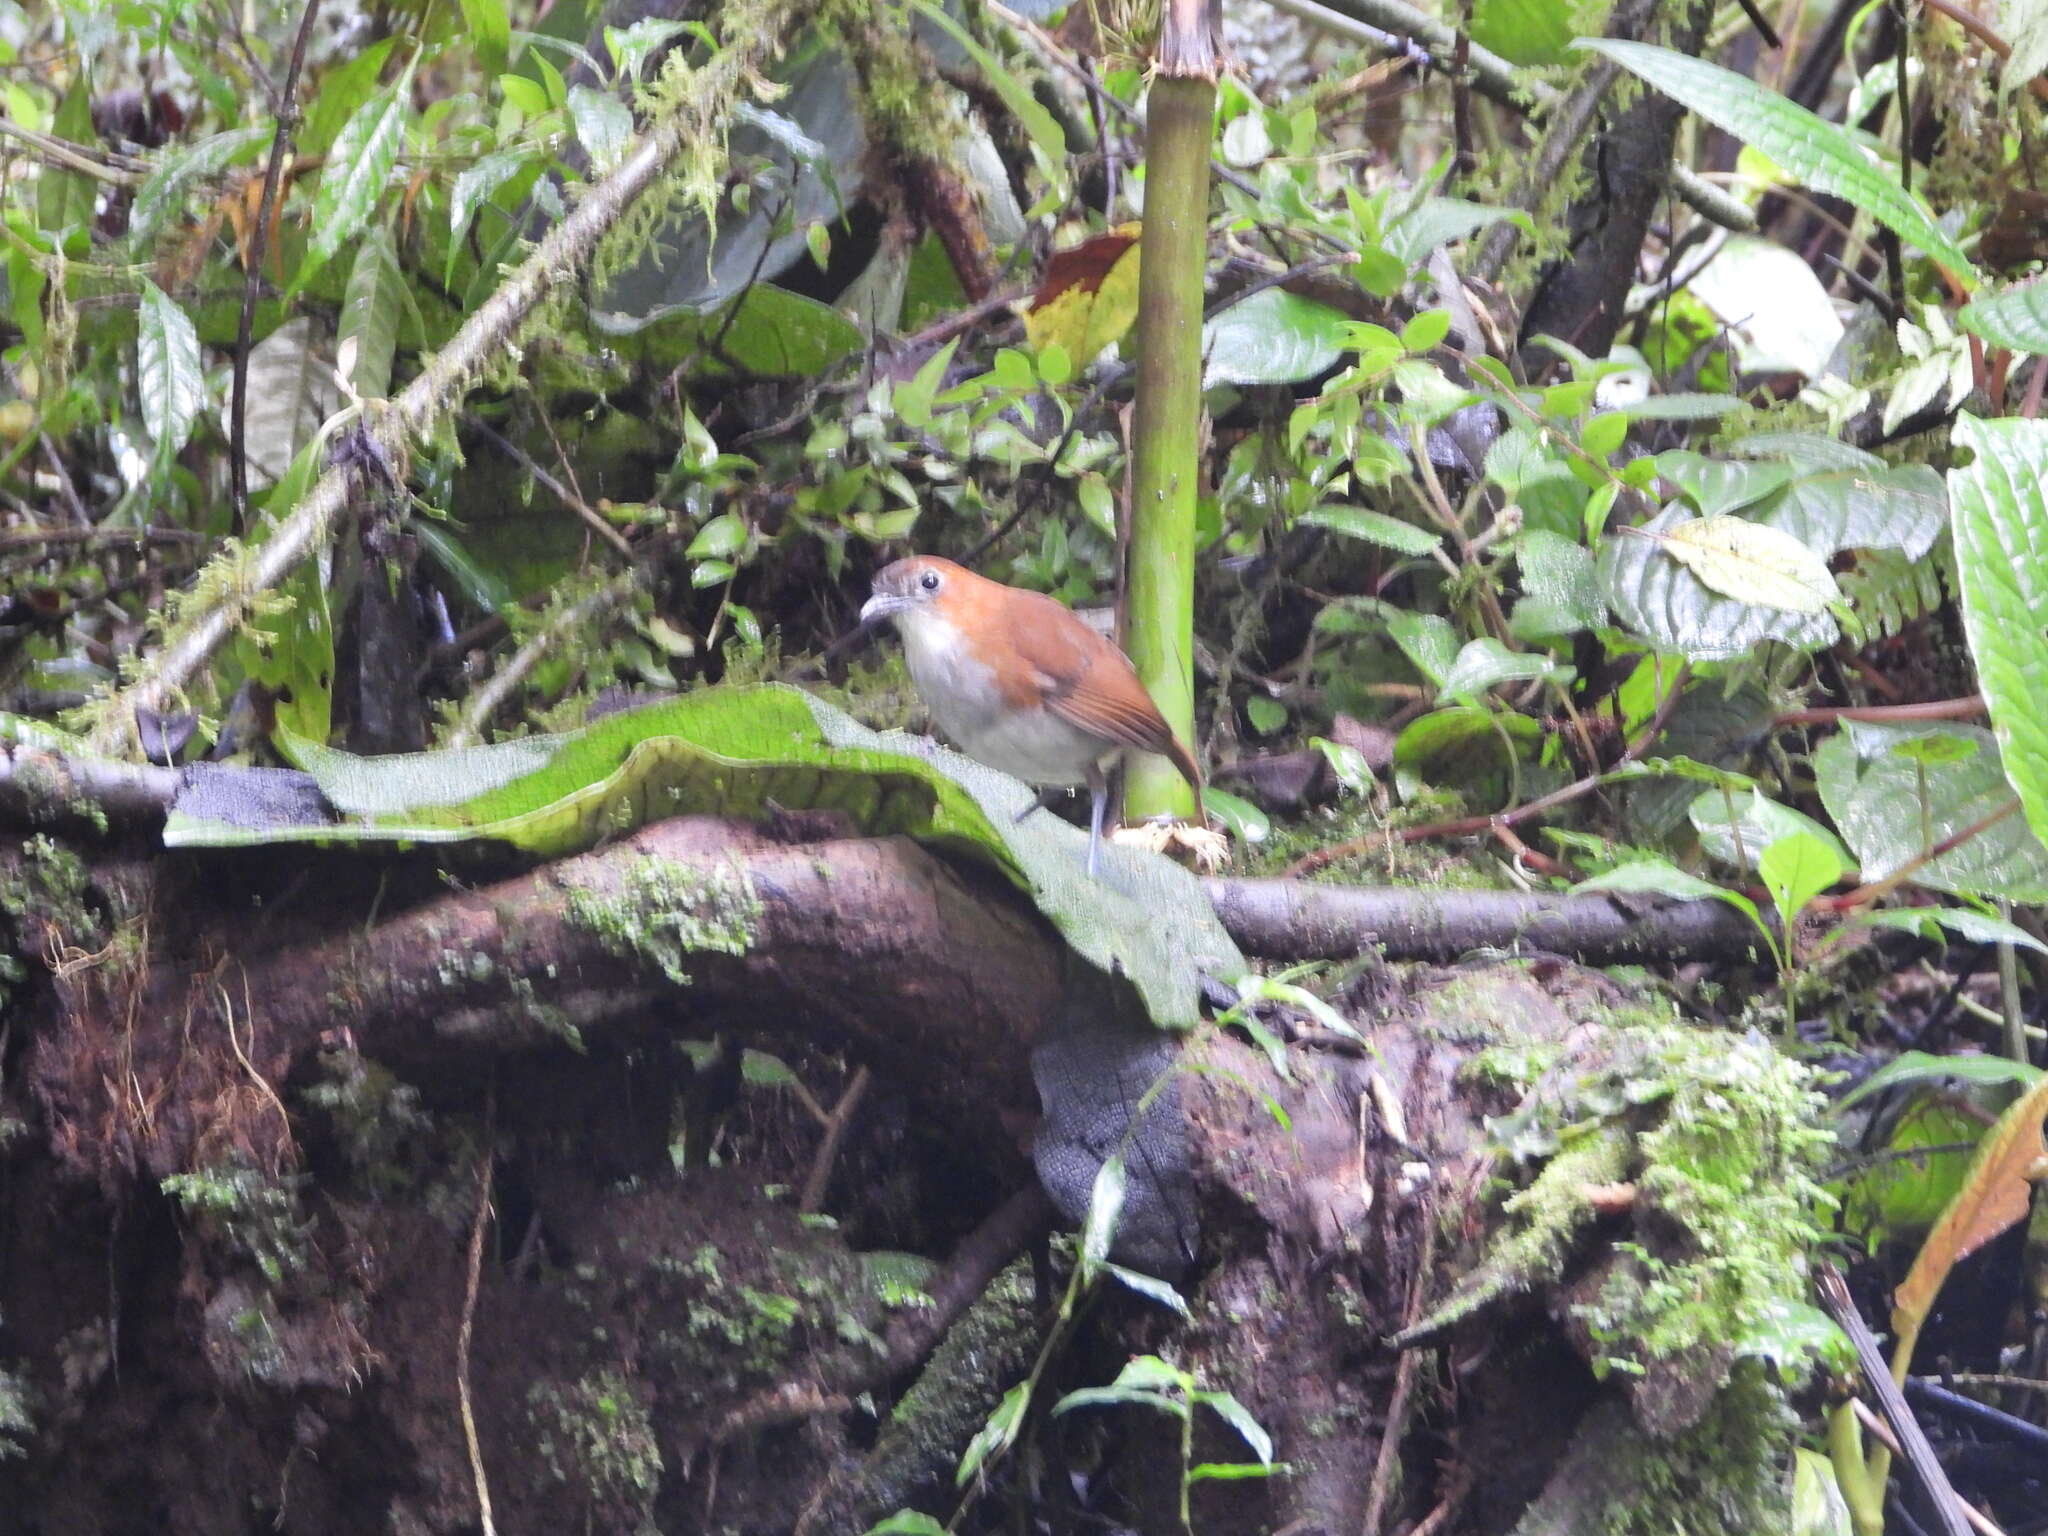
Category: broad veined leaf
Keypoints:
(160, 196)
(371, 308)
(742, 751)
(1816, 152)
(168, 372)
(1088, 298)
(2015, 317)
(1891, 811)
(1663, 602)
(1273, 337)
(1715, 486)
(357, 171)
(2001, 540)
(1752, 563)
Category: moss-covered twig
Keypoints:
(692, 124)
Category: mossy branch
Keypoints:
(691, 124)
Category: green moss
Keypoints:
(663, 912)
(376, 1119)
(1726, 1473)
(249, 1212)
(1728, 1199)
(598, 1433)
(1719, 1135)
(17, 1421)
(50, 885)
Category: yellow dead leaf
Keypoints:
(1992, 1198)
(1089, 296)
(1752, 564)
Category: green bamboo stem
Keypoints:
(1166, 447)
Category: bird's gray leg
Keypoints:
(1098, 794)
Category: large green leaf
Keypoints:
(766, 331)
(2016, 317)
(168, 372)
(1890, 809)
(1657, 598)
(741, 752)
(2001, 538)
(358, 169)
(371, 310)
(182, 167)
(1274, 337)
(1813, 151)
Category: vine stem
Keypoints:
(252, 266)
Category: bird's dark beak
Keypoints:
(883, 605)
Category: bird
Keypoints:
(1017, 682)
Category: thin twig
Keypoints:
(490, 697)
(64, 482)
(30, 538)
(66, 156)
(1465, 826)
(547, 482)
(1404, 1382)
(252, 270)
(1919, 1455)
(1931, 709)
(836, 1126)
(477, 1227)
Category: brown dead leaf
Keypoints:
(1993, 1198)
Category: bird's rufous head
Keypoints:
(922, 583)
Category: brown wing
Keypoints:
(1092, 684)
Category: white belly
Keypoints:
(1038, 747)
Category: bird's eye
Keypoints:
(929, 581)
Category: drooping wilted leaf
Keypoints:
(291, 391)
(739, 751)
